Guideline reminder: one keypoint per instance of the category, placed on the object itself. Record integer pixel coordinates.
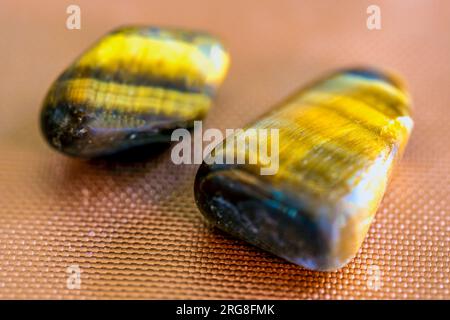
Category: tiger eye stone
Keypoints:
(338, 141)
(132, 88)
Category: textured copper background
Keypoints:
(133, 227)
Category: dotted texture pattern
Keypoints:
(132, 226)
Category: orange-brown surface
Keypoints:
(133, 227)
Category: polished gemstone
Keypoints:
(132, 88)
(338, 141)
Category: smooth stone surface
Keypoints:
(339, 139)
(132, 88)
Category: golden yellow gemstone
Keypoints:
(338, 141)
(131, 88)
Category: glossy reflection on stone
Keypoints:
(339, 139)
(132, 88)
